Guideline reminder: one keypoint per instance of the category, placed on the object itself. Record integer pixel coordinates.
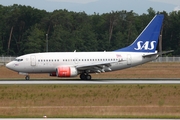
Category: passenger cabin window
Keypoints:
(85, 60)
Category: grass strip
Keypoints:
(90, 101)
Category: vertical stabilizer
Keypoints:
(148, 39)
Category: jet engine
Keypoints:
(66, 72)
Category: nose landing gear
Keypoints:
(27, 77)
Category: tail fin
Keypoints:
(148, 39)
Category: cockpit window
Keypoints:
(18, 60)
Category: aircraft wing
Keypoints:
(97, 67)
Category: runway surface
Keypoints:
(145, 81)
(79, 119)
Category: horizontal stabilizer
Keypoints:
(164, 52)
(159, 53)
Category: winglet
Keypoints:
(148, 39)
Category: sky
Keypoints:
(99, 6)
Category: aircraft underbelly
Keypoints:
(35, 69)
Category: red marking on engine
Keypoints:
(64, 72)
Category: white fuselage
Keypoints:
(48, 62)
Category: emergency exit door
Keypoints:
(129, 59)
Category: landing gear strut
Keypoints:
(27, 77)
(85, 76)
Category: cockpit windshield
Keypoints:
(18, 60)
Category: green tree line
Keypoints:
(24, 29)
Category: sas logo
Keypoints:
(145, 46)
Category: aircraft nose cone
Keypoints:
(9, 65)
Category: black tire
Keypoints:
(27, 77)
(83, 76)
(88, 77)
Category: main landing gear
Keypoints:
(27, 77)
(85, 76)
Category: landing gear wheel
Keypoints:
(88, 77)
(27, 77)
(84, 76)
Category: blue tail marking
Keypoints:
(148, 39)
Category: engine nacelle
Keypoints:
(66, 72)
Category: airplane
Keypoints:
(71, 64)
